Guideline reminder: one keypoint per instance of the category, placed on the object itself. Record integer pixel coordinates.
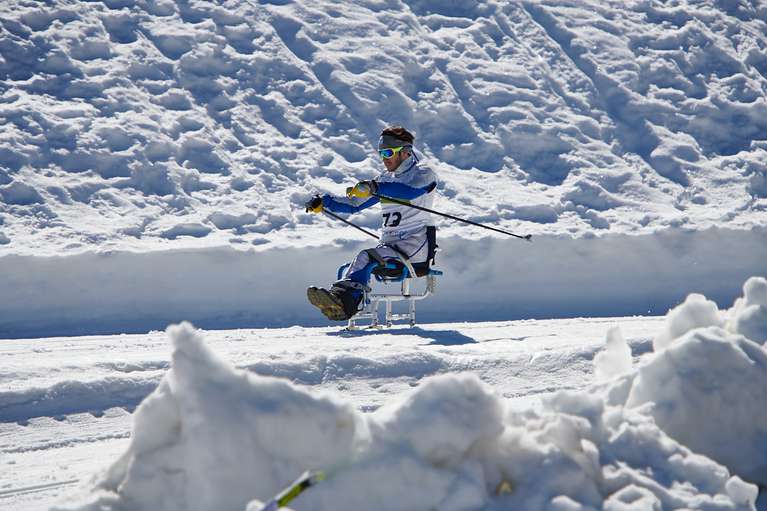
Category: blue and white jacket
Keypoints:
(412, 182)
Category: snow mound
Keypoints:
(749, 314)
(695, 312)
(706, 385)
(709, 391)
(212, 437)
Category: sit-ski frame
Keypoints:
(372, 301)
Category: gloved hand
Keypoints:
(362, 190)
(314, 205)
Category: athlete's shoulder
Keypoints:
(424, 174)
(424, 167)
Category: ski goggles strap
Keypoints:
(391, 141)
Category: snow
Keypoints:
(707, 391)
(695, 312)
(750, 312)
(541, 117)
(681, 430)
(628, 139)
(154, 162)
(138, 127)
(487, 279)
(615, 359)
(520, 359)
(531, 415)
(703, 370)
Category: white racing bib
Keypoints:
(398, 221)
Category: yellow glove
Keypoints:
(314, 205)
(362, 190)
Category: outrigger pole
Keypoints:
(352, 224)
(527, 237)
(304, 482)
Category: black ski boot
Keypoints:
(340, 303)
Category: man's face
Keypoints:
(392, 163)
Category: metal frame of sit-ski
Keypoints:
(372, 300)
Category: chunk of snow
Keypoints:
(749, 314)
(194, 229)
(695, 312)
(615, 359)
(442, 430)
(709, 391)
(755, 291)
(632, 498)
(20, 194)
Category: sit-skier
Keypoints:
(404, 229)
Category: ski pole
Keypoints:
(305, 481)
(328, 213)
(527, 237)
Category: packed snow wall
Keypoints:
(485, 279)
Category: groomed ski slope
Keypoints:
(574, 414)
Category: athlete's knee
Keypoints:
(361, 259)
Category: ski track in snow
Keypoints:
(64, 399)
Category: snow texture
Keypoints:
(549, 117)
(702, 370)
(622, 135)
(695, 312)
(708, 391)
(615, 359)
(684, 430)
(749, 316)
(485, 280)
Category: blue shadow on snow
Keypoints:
(438, 337)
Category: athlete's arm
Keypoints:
(338, 205)
(403, 191)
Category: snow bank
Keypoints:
(485, 279)
(709, 391)
(695, 312)
(706, 383)
(212, 437)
